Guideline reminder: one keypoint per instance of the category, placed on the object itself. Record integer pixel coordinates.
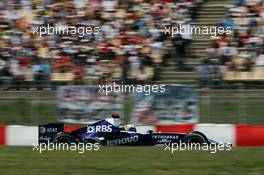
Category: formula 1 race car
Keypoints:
(105, 133)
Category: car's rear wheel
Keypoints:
(64, 137)
(196, 138)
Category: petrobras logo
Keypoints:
(123, 140)
(165, 136)
(99, 128)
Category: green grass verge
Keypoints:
(131, 160)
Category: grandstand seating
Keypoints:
(257, 74)
(99, 63)
(210, 14)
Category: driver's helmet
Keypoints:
(116, 120)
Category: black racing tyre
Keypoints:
(201, 134)
(195, 137)
(64, 137)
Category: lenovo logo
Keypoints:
(123, 140)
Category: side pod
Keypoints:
(48, 131)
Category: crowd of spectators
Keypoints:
(131, 44)
(243, 49)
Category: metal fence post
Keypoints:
(241, 104)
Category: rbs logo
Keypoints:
(99, 128)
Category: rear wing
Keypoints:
(48, 131)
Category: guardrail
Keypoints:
(233, 106)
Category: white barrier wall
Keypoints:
(144, 129)
(21, 135)
(224, 133)
(238, 135)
